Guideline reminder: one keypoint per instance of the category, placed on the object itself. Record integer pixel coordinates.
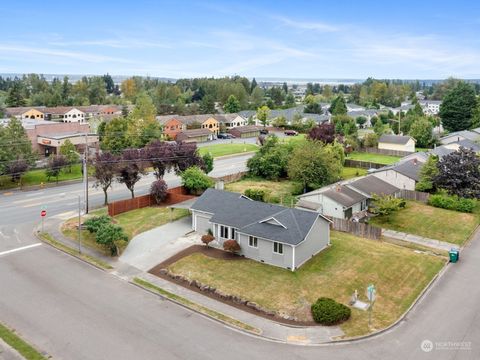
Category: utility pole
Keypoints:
(85, 171)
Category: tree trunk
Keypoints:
(105, 202)
(133, 195)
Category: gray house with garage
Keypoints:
(268, 233)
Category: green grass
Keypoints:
(293, 139)
(227, 149)
(351, 172)
(36, 177)
(428, 221)
(375, 158)
(278, 192)
(350, 264)
(12, 339)
(133, 222)
(94, 261)
(197, 307)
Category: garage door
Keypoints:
(202, 223)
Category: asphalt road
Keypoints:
(74, 311)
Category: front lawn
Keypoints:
(226, 149)
(374, 158)
(133, 222)
(350, 264)
(428, 221)
(278, 192)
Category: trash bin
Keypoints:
(454, 255)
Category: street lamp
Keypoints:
(62, 195)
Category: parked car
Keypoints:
(263, 131)
(225, 136)
(290, 133)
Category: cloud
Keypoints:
(305, 25)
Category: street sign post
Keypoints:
(43, 213)
(371, 295)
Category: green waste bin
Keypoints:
(454, 255)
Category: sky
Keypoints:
(280, 39)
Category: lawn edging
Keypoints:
(15, 342)
(200, 309)
(50, 240)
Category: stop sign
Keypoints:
(43, 213)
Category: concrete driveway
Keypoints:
(152, 247)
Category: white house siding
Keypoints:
(316, 241)
(238, 121)
(264, 252)
(328, 207)
(201, 222)
(396, 179)
(409, 146)
(74, 115)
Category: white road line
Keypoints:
(20, 249)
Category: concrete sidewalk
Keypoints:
(272, 330)
(420, 240)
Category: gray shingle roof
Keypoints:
(466, 134)
(372, 185)
(394, 139)
(249, 217)
(344, 195)
(410, 169)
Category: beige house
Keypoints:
(396, 142)
(65, 114)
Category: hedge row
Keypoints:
(452, 203)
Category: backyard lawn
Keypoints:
(226, 149)
(375, 158)
(428, 221)
(293, 139)
(35, 177)
(399, 275)
(133, 222)
(278, 192)
(351, 172)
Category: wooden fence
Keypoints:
(174, 196)
(374, 150)
(363, 164)
(414, 195)
(357, 229)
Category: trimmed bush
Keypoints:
(207, 239)
(96, 222)
(327, 311)
(452, 203)
(255, 194)
(158, 190)
(195, 180)
(108, 235)
(231, 245)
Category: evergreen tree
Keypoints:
(232, 105)
(15, 95)
(457, 107)
(338, 106)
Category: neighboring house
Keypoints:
(367, 114)
(460, 135)
(403, 175)
(171, 126)
(24, 112)
(290, 115)
(194, 135)
(430, 107)
(245, 131)
(396, 142)
(339, 201)
(231, 120)
(371, 185)
(33, 114)
(65, 114)
(271, 234)
(355, 107)
(404, 108)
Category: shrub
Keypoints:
(94, 223)
(231, 245)
(370, 140)
(159, 190)
(255, 194)
(452, 203)
(327, 311)
(207, 239)
(195, 180)
(385, 205)
(108, 235)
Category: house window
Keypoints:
(223, 232)
(232, 233)
(277, 248)
(252, 241)
(210, 126)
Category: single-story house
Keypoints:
(460, 135)
(268, 233)
(194, 135)
(396, 142)
(403, 175)
(371, 185)
(231, 120)
(339, 201)
(245, 131)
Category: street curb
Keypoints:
(47, 185)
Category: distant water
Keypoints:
(303, 81)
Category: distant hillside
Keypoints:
(117, 79)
